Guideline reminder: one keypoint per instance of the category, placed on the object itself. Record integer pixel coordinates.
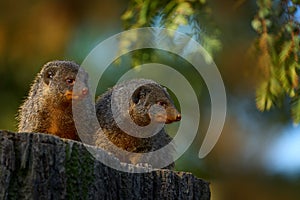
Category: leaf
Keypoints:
(285, 82)
(263, 12)
(180, 20)
(172, 26)
(127, 15)
(256, 25)
(143, 13)
(268, 3)
(297, 65)
(268, 22)
(185, 9)
(289, 28)
(263, 99)
(286, 50)
(293, 75)
(210, 44)
(295, 110)
(274, 86)
(292, 9)
(292, 93)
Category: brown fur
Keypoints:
(139, 110)
(48, 107)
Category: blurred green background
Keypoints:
(257, 155)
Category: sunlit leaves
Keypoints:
(187, 15)
(211, 44)
(179, 15)
(277, 43)
(293, 76)
(265, 94)
(278, 52)
(285, 51)
(256, 25)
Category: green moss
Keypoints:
(80, 170)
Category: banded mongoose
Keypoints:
(139, 111)
(48, 107)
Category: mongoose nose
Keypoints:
(178, 117)
(84, 91)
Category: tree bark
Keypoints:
(40, 166)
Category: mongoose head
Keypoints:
(59, 78)
(150, 95)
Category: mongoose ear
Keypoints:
(139, 93)
(165, 89)
(48, 75)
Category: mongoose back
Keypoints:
(139, 110)
(48, 107)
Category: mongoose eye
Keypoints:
(161, 103)
(70, 81)
(50, 75)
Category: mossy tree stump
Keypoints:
(40, 166)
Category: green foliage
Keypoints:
(191, 15)
(276, 46)
(277, 49)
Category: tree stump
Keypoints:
(41, 166)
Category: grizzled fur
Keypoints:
(48, 107)
(139, 106)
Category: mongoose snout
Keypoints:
(172, 115)
(163, 113)
(70, 94)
